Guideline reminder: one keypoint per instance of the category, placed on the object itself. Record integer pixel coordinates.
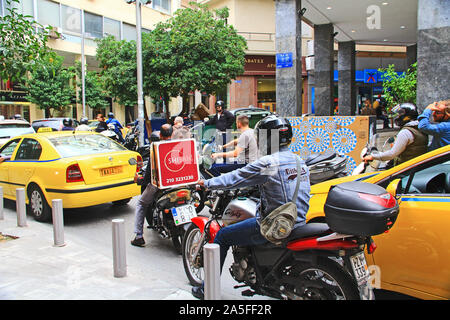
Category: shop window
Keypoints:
(93, 25)
(111, 27)
(48, 13)
(71, 19)
(267, 93)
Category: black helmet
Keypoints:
(84, 120)
(110, 115)
(267, 127)
(220, 103)
(404, 113)
(67, 122)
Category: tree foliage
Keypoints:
(117, 59)
(95, 95)
(193, 50)
(399, 88)
(49, 84)
(22, 42)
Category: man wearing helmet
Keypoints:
(83, 125)
(276, 175)
(67, 125)
(117, 126)
(223, 119)
(410, 141)
(440, 129)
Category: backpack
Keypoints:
(278, 224)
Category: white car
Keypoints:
(12, 128)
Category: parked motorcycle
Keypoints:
(326, 166)
(110, 133)
(172, 211)
(317, 261)
(374, 165)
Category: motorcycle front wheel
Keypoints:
(193, 265)
(323, 281)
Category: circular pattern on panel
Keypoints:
(351, 164)
(344, 140)
(318, 121)
(298, 140)
(344, 121)
(294, 121)
(304, 126)
(330, 126)
(318, 140)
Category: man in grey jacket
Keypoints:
(275, 174)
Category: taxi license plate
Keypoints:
(110, 171)
(184, 214)
(360, 269)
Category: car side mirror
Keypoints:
(394, 187)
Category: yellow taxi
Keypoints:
(413, 258)
(81, 168)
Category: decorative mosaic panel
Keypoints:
(347, 135)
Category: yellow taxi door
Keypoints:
(7, 152)
(25, 162)
(415, 253)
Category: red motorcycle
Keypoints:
(318, 261)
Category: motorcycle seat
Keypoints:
(317, 157)
(308, 230)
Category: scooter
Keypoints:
(317, 261)
(326, 166)
(374, 165)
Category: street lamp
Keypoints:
(140, 98)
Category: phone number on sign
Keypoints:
(179, 179)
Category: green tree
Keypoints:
(193, 50)
(95, 95)
(117, 59)
(22, 42)
(49, 85)
(399, 88)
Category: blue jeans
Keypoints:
(244, 233)
(219, 168)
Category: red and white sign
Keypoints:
(175, 163)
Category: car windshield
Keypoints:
(14, 129)
(84, 144)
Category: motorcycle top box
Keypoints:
(360, 208)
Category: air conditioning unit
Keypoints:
(55, 32)
(309, 61)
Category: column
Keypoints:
(323, 69)
(288, 41)
(433, 51)
(346, 84)
(411, 55)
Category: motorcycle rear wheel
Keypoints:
(324, 281)
(193, 266)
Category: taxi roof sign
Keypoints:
(45, 129)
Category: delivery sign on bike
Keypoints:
(174, 163)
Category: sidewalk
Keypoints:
(31, 268)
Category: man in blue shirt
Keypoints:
(117, 126)
(440, 129)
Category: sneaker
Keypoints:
(198, 292)
(138, 242)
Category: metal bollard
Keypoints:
(58, 223)
(119, 249)
(211, 257)
(21, 208)
(2, 216)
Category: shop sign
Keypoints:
(174, 163)
(370, 75)
(15, 96)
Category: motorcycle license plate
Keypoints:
(360, 269)
(184, 214)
